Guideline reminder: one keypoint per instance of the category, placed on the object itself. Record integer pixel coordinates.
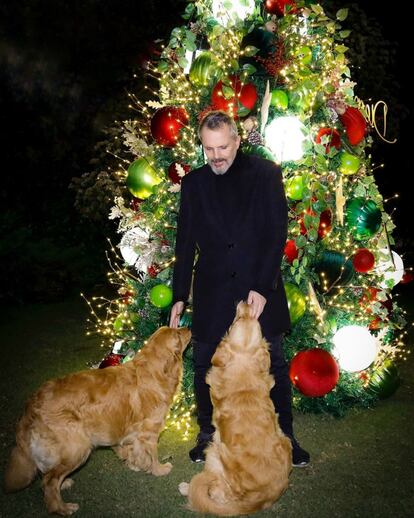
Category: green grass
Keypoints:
(362, 465)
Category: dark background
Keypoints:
(66, 67)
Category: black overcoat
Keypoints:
(232, 259)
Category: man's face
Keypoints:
(220, 147)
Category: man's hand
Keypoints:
(256, 302)
(175, 315)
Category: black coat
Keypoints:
(236, 253)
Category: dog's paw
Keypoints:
(183, 488)
(65, 509)
(162, 469)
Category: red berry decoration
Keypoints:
(314, 372)
(278, 7)
(135, 204)
(173, 173)
(166, 124)
(368, 298)
(355, 125)
(239, 104)
(325, 223)
(334, 138)
(153, 270)
(375, 324)
(291, 251)
(363, 260)
(111, 360)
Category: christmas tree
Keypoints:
(280, 69)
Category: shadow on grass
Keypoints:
(362, 464)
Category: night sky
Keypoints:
(65, 69)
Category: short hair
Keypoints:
(216, 119)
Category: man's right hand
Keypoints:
(175, 315)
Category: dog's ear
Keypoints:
(262, 359)
(185, 334)
(221, 357)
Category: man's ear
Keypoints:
(221, 357)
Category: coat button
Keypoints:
(231, 245)
(233, 275)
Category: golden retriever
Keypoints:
(123, 406)
(248, 463)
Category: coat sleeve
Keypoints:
(273, 232)
(184, 248)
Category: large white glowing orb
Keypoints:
(228, 12)
(285, 136)
(392, 271)
(355, 348)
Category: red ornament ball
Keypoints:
(314, 372)
(355, 125)
(173, 173)
(291, 251)
(166, 124)
(363, 260)
(111, 360)
(245, 97)
(278, 7)
(334, 138)
(407, 277)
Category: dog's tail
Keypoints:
(21, 468)
(207, 493)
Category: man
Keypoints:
(233, 213)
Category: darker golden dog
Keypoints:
(248, 464)
(123, 406)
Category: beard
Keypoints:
(219, 166)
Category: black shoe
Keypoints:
(197, 454)
(300, 457)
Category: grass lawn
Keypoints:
(362, 465)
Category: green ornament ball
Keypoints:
(294, 188)
(385, 380)
(142, 178)
(203, 69)
(280, 99)
(333, 268)
(161, 296)
(296, 302)
(349, 163)
(364, 217)
(304, 54)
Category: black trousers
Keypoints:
(281, 393)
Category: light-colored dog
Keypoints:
(123, 406)
(248, 463)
